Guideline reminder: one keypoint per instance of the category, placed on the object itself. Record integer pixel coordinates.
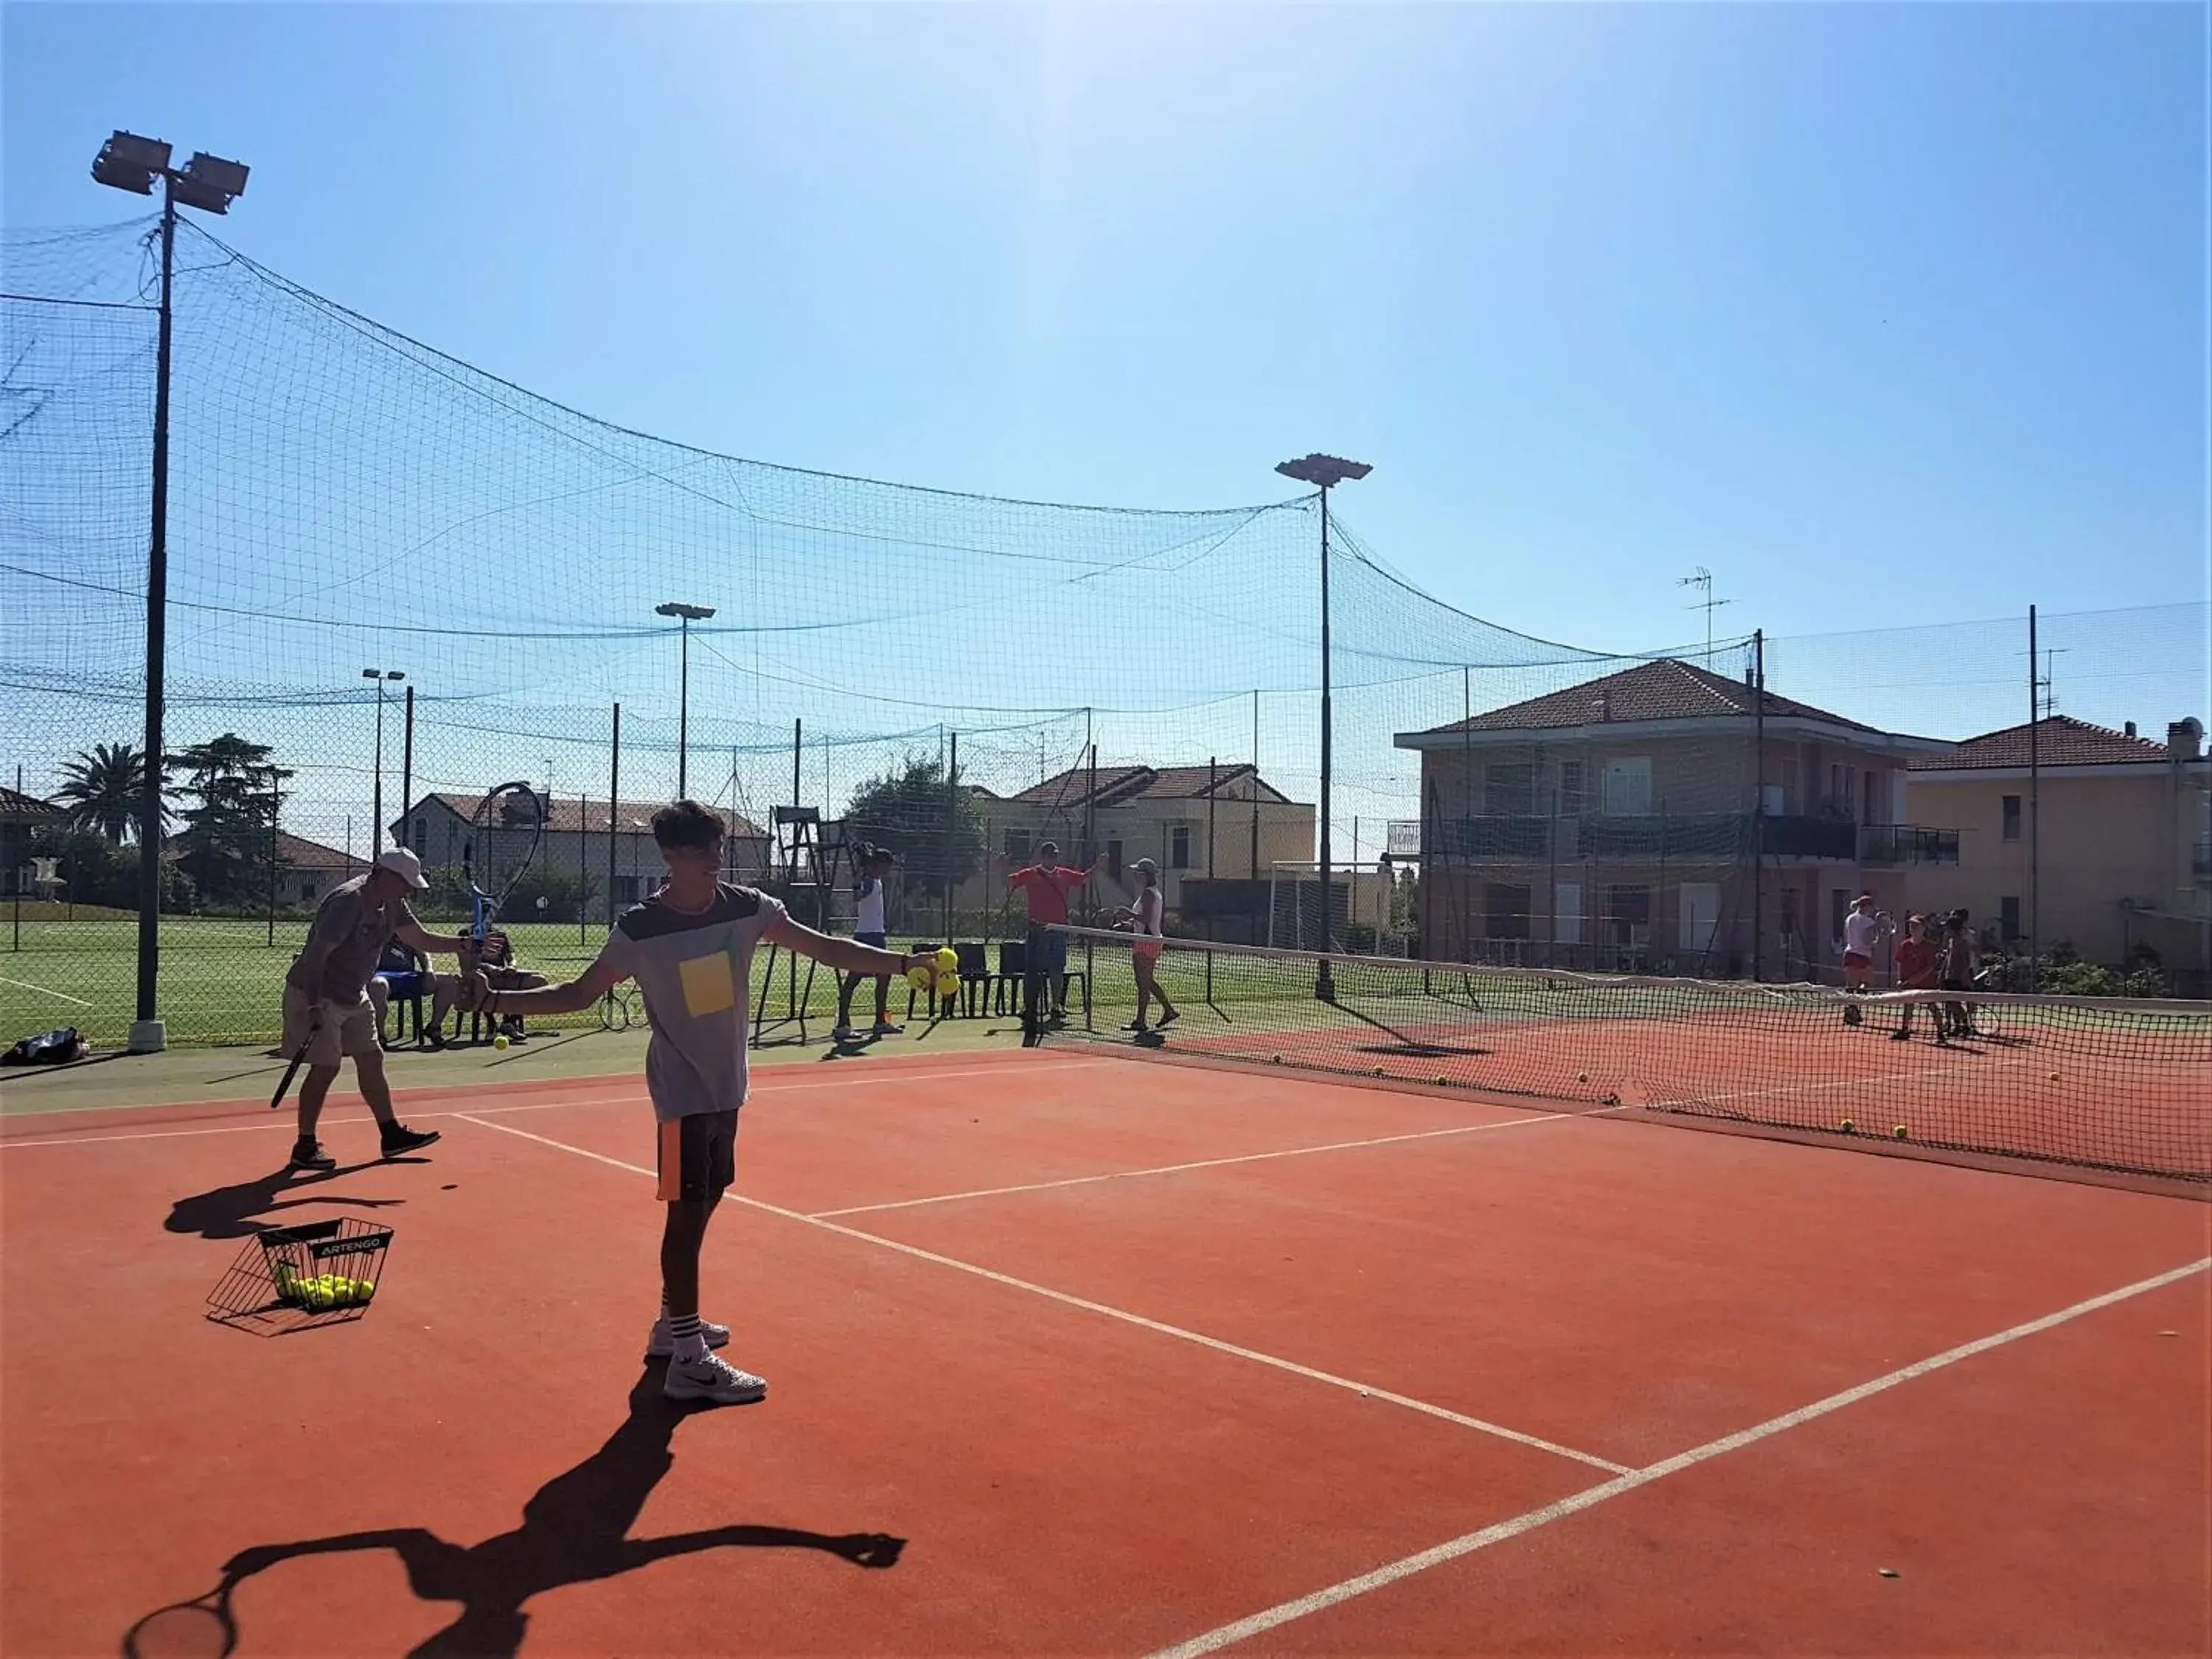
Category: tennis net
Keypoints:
(2098, 1082)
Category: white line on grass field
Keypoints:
(26, 985)
(1197, 1163)
(1159, 1327)
(277, 1121)
(1224, 1635)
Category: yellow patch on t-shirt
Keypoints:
(709, 985)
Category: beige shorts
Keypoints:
(355, 1034)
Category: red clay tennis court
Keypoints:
(1070, 1352)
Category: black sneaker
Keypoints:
(399, 1138)
(309, 1158)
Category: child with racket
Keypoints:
(876, 864)
(690, 949)
(1147, 919)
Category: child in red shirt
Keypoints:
(1916, 960)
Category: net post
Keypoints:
(614, 795)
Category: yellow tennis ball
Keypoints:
(918, 976)
(948, 985)
(1847, 1126)
(500, 1042)
(363, 1289)
(1900, 1131)
(1442, 1079)
(948, 960)
(1582, 1076)
(2054, 1077)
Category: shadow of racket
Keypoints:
(201, 1628)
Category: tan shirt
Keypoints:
(356, 932)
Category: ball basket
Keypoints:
(295, 1279)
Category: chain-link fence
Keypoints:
(397, 582)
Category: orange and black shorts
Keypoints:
(698, 1157)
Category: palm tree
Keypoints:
(105, 789)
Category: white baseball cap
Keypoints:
(405, 864)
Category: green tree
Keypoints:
(237, 795)
(105, 791)
(935, 831)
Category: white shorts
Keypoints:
(355, 1034)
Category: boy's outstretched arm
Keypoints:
(846, 956)
(580, 993)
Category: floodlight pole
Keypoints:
(129, 161)
(376, 809)
(1325, 472)
(686, 614)
(146, 1033)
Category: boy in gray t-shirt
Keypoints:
(691, 950)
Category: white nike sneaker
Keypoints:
(713, 1378)
(660, 1344)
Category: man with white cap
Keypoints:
(326, 1006)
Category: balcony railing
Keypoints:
(1887, 844)
(1657, 838)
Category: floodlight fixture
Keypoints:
(127, 162)
(1323, 471)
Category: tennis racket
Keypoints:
(505, 834)
(314, 1024)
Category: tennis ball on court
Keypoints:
(1276, 1059)
(1900, 1131)
(1442, 1079)
(1847, 1126)
(500, 1042)
(1378, 1071)
(1582, 1076)
(2054, 1077)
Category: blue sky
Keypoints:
(1887, 315)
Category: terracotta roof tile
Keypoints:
(2060, 740)
(1666, 689)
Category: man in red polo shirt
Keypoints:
(1045, 886)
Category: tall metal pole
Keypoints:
(407, 777)
(146, 1034)
(952, 817)
(1323, 986)
(2034, 810)
(16, 876)
(1759, 804)
(1253, 872)
(683, 715)
(1212, 893)
(614, 811)
(376, 794)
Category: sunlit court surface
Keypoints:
(1072, 1350)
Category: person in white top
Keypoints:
(1148, 918)
(1864, 928)
(874, 865)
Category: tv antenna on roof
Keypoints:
(1703, 580)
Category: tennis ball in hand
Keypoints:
(918, 976)
(948, 960)
(500, 1042)
(948, 985)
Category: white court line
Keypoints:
(1214, 1640)
(1198, 1164)
(279, 1121)
(1364, 1389)
(25, 985)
